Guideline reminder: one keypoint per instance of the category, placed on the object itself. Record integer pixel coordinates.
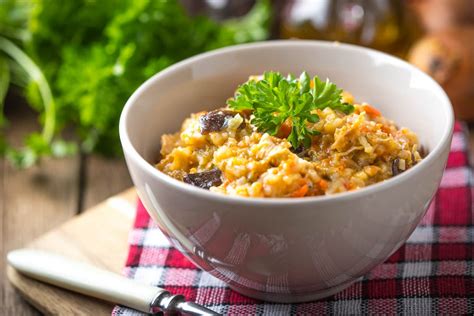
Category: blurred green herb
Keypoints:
(17, 68)
(276, 100)
(94, 54)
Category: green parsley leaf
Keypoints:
(276, 100)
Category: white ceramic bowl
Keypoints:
(287, 250)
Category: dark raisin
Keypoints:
(395, 168)
(422, 151)
(300, 151)
(205, 179)
(215, 121)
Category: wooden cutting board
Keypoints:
(99, 237)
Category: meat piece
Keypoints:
(204, 180)
(215, 121)
(395, 167)
(301, 151)
(422, 151)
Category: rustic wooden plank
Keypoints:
(33, 201)
(103, 178)
(99, 236)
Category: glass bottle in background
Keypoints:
(218, 9)
(385, 25)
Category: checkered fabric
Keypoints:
(431, 274)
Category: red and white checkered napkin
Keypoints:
(432, 273)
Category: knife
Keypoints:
(89, 280)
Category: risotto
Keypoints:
(227, 151)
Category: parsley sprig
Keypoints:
(276, 100)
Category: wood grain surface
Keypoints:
(99, 237)
(36, 200)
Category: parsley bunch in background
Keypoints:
(276, 100)
(92, 54)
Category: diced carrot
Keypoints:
(364, 129)
(371, 111)
(323, 184)
(285, 130)
(348, 185)
(311, 84)
(301, 191)
(246, 113)
(386, 129)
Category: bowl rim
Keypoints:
(131, 153)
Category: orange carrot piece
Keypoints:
(301, 191)
(323, 184)
(285, 130)
(364, 129)
(371, 111)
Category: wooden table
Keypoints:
(36, 200)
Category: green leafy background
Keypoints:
(90, 55)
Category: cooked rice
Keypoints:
(352, 152)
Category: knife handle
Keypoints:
(84, 278)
